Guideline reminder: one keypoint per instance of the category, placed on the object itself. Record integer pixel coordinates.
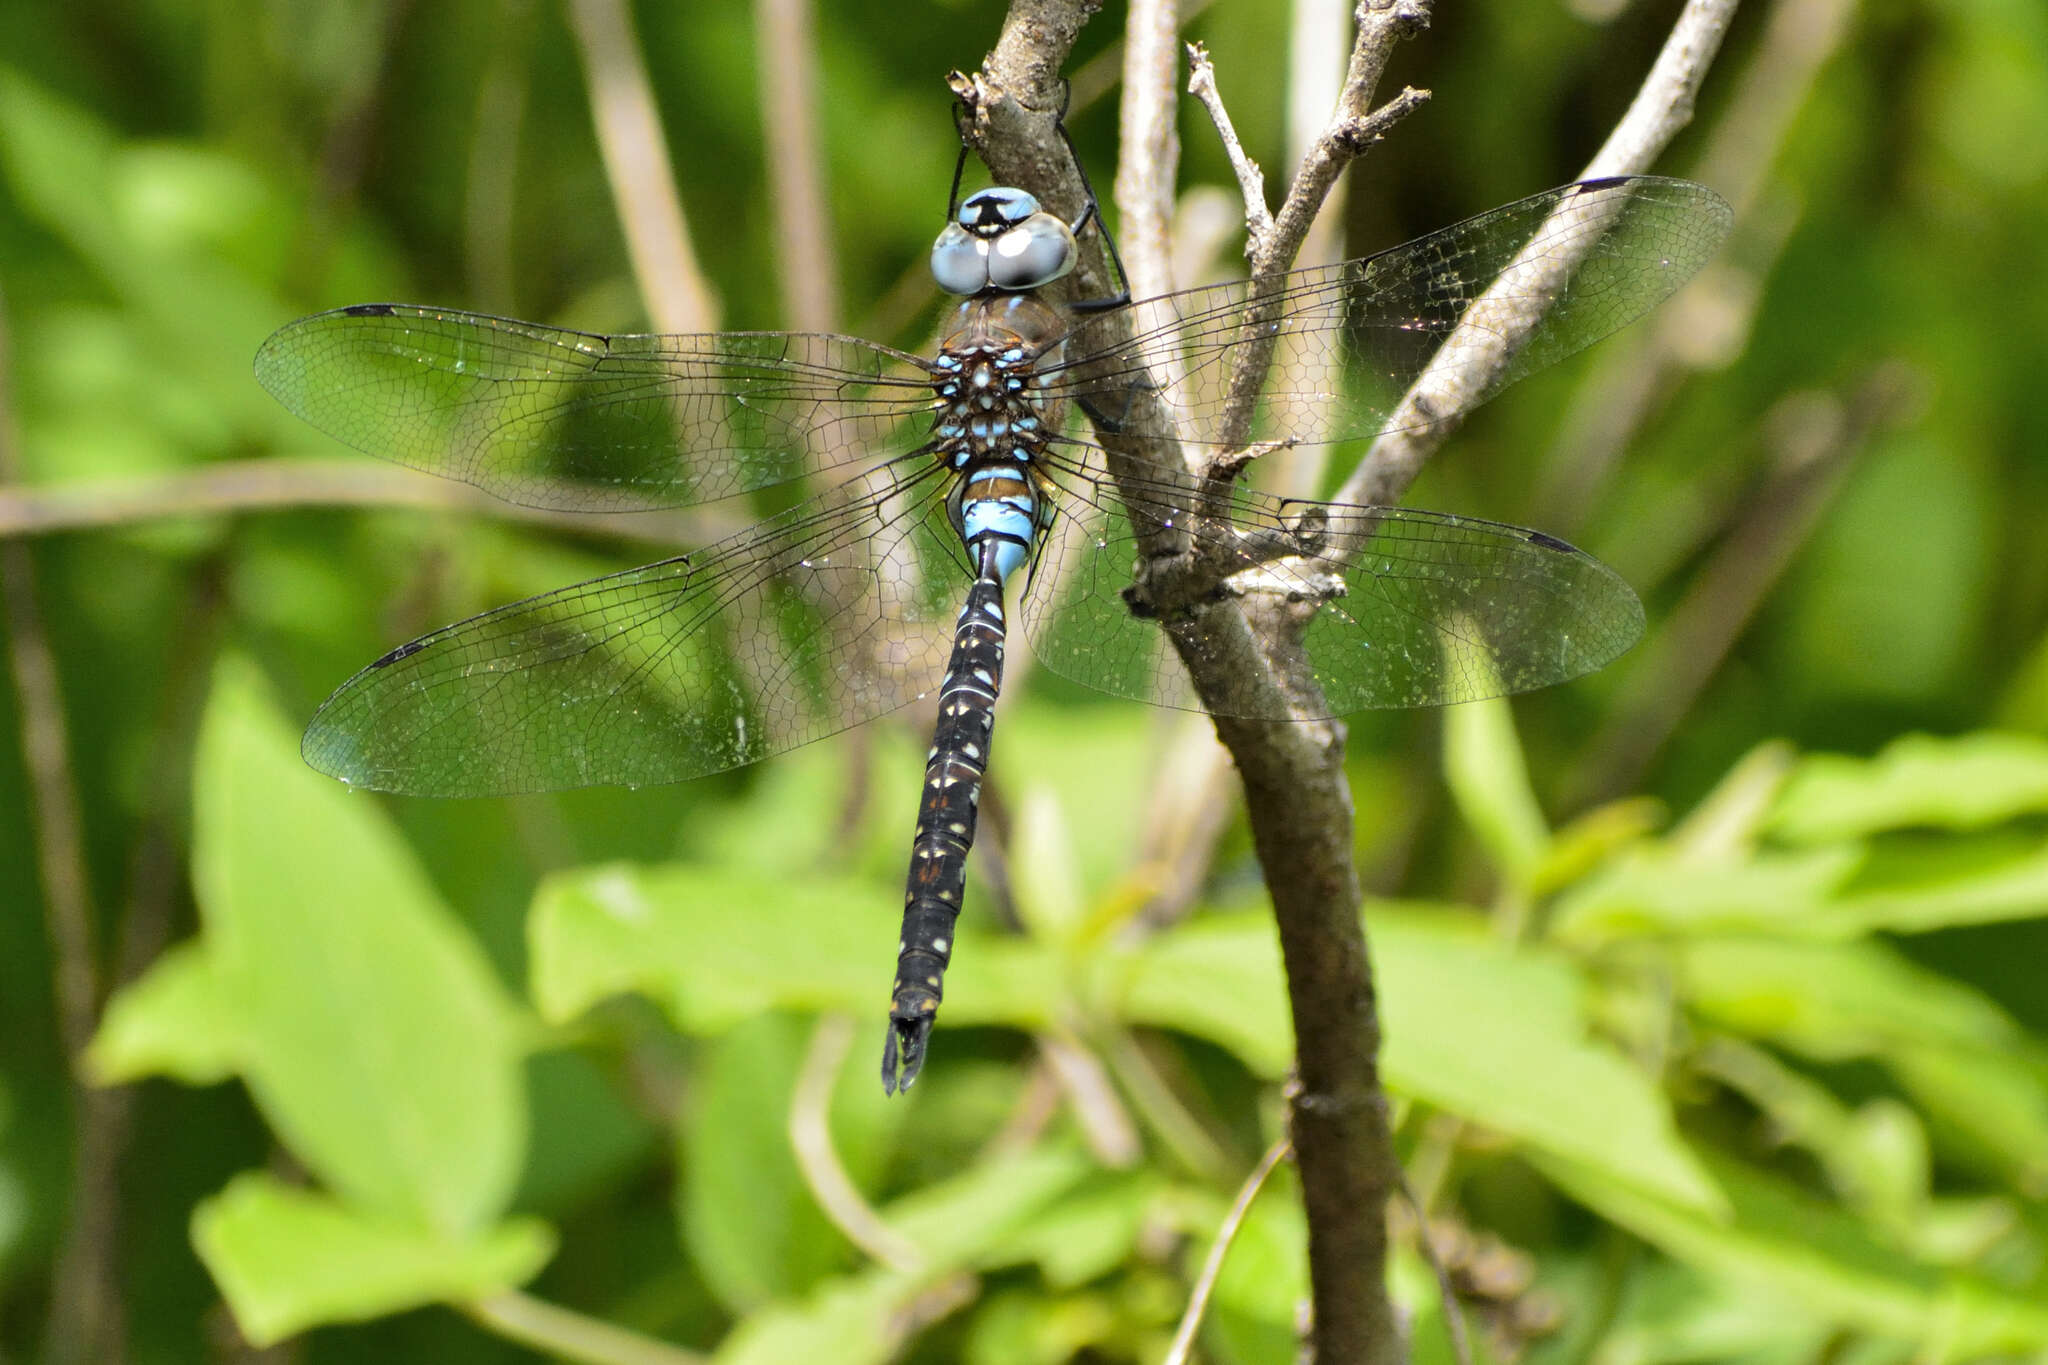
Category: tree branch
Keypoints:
(1239, 653)
(1438, 402)
(1299, 805)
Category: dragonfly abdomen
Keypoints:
(945, 824)
(996, 512)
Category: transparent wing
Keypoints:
(820, 618)
(552, 418)
(1417, 608)
(1592, 257)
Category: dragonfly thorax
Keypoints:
(991, 378)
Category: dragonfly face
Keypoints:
(946, 476)
(1001, 239)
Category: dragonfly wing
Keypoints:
(1538, 280)
(553, 418)
(820, 618)
(1416, 608)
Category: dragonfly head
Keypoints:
(1001, 239)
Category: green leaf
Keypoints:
(169, 1022)
(975, 1219)
(853, 1320)
(1489, 779)
(1985, 886)
(1471, 1026)
(714, 948)
(1674, 1314)
(1992, 1103)
(1834, 1000)
(1091, 1230)
(1963, 783)
(1026, 1327)
(1592, 839)
(287, 1259)
(1980, 1077)
(1875, 1156)
(746, 1213)
(1784, 1243)
(1658, 890)
(372, 1031)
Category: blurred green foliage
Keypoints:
(1738, 1049)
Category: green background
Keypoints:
(1730, 1049)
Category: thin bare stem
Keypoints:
(84, 1323)
(1441, 397)
(1710, 317)
(266, 485)
(1212, 1266)
(1664, 104)
(1106, 1127)
(1447, 1295)
(636, 161)
(1382, 25)
(809, 267)
(1274, 241)
(810, 1135)
(493, 171)
(1150, 147)
(561, 1334)
(1251, 181)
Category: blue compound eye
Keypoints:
(960, 261)
(1037, 251)
(986, 213)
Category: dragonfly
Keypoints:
(946, 491)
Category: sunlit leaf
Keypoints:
(1985, 886)
(1656, 890)
(1489, 779)
(1961, 783)
(287, 1259)
(974, 1218)
(372, 1030)
(1494, 1035)
(1992, 1103)
(1783, 1242)
(857, 1320)
(747, 1218)
(1090, 1230)
(1022, 1327)
(1591, 839)
(169, 1022)
(715, 947)
(1834, 1000)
